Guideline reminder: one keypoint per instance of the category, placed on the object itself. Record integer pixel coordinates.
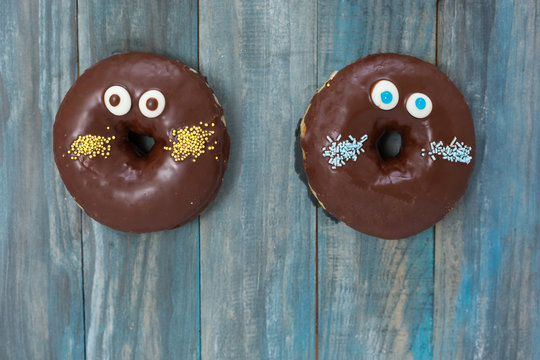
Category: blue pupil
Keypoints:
(386, 97)
(420, 103)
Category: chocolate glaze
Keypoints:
(130, 191)
(393, 197)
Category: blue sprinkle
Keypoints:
(386, 97)
(457, 152)
(420, 103)
(339, 152)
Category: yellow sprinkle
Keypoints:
(328, 84)
(212, 124)
(89, 145)
(189, 141)
(108, 128)
(217, 158)
(113, 137)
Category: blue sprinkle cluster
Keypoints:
(339, 152)
(455, 152)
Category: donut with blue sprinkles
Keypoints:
(388, 145)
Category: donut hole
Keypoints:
(389, 145)
(141, 144)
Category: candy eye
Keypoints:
(117, 100)
(152, 103)
(384, 95)
(419, 105)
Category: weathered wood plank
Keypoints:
(141, 291)
(258, 238)
(487, 258)
(40, 242)
(375, 296)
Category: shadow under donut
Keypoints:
(299, 168)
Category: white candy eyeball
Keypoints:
(152, 103)
(419, 105)
(385, 95)
(117, 100)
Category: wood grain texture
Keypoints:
(258, 237)
(375, 296)
(141, 291)
(487, 260)
(40, 243)
(472, 295)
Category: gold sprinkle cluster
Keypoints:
(91, 146)
(190, 141)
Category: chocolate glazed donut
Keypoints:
(110, 176)
(388, 193)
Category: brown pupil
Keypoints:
(114, 100)
(152, 104)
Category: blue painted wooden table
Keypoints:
(263, 273)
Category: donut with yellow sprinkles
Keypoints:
(140, 142)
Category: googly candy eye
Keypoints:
(117, 100)
(419, 105)
(385, 95)
(152, 103)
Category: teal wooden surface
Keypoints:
(258, 238)
(40, 246)
(487, 261)
(263, 273)
(375, 296)
(141, 291)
